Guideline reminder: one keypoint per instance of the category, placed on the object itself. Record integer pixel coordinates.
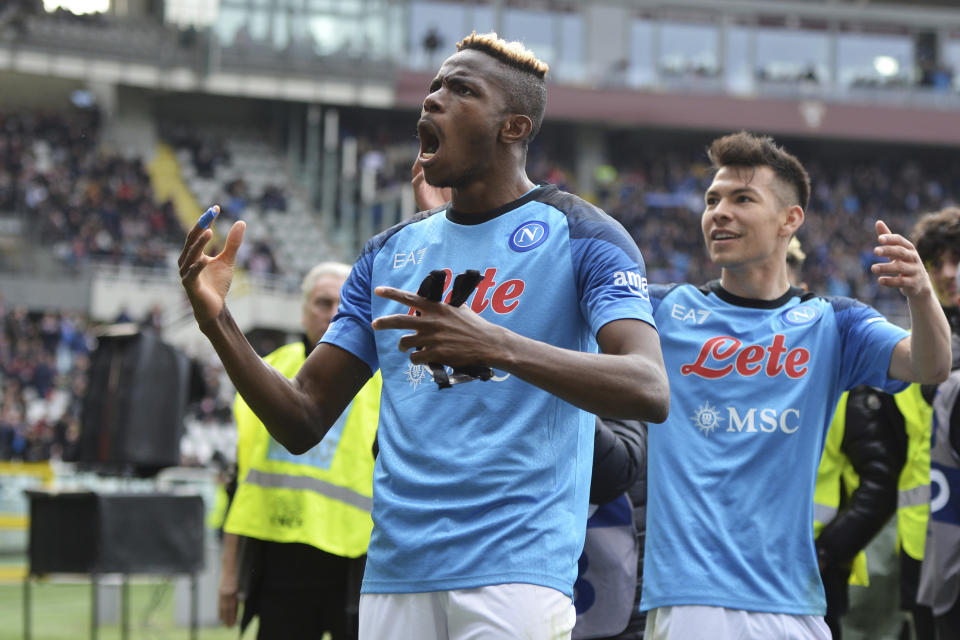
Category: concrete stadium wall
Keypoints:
(252, 304)
(35, 91)
(45, 293)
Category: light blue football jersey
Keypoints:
(732, 471)
(487, 482)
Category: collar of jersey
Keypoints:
(714, 287)
(459, 217)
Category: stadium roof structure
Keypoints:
(157, 57)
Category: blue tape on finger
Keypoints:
(207, 218)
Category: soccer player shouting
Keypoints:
(756, 369)
(480, 490)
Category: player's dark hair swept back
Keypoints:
(937, 233)
(745, 149)
(523, 77)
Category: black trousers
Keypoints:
(836, 583)
(920, 623)
(299, 592)
(947, 626)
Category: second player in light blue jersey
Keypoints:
(756, 367)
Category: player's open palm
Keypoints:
(904, 269)
(207, 279)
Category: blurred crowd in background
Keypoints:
(83, 203)
(44, 361)
(86, 204)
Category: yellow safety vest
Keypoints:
(217, 514)
(913, 496)
(834, 467)
(322, 497)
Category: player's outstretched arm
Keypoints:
(925, 355)
(627, 380)
(297, 412)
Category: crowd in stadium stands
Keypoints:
(208, 154)
(44, 359)
(43, 363)
(658, 195)
(93, 206)
(655, 188)
(88, 204)
(656, 191)
(256, 256)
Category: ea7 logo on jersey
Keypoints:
(722, 355)
(689, 314)
(402, 259)
(633, 281)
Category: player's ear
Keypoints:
(515, 128)
(792, 221)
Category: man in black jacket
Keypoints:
(872, 444)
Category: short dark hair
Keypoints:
(745, 149)
(523, 79)
(937, 233)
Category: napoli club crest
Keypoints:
(529, 235)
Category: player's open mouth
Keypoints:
(429, 141)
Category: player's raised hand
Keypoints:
(207, 279)
(905, 270)
(427, 196)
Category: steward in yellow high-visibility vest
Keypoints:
(856, 491)
(913, 502)
(913, 499)
(303, 520)
(322, 497)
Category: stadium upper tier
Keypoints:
(83, 203)
(844, 69)
(93, 206)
